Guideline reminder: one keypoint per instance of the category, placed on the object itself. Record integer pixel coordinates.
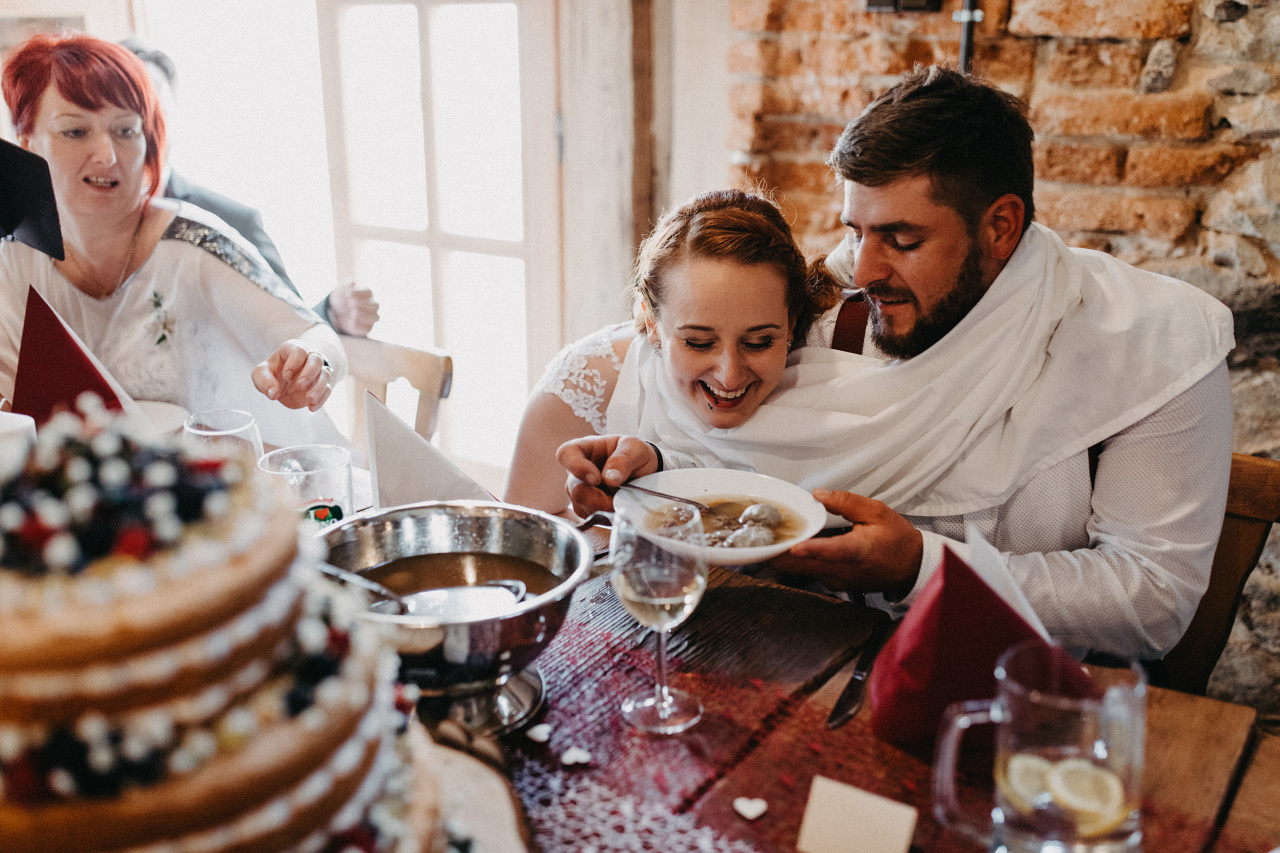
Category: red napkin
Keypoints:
(54, 367)
(945, 651)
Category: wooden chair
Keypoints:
(1253, 503)
(373, 364)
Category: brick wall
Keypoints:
(1156, 140)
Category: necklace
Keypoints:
(124, 270)
(128, 258)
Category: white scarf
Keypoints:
(1066, 348)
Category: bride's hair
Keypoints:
(734, 226)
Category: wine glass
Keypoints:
(222, 432)
(659, 578)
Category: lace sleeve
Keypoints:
(583, 373)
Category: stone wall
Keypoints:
(1157, 126)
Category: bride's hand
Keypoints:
(608, 460)
(295, 376)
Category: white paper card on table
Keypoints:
(987, 563)
(405, 468)
(839, 818)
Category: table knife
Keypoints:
(851, 697)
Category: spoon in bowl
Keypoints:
(633, 487)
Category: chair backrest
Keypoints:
(1253, 503)
(373, 364)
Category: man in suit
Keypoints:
(349, 309)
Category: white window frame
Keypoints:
(540, 248)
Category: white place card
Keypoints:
(840, 818)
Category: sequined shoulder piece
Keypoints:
(231, 253)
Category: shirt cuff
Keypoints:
(930, 561)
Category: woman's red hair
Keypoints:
(90, 73)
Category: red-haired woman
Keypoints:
(173, 301)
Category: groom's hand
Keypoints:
(881, 553)
(602, 460)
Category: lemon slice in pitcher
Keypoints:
(1093, 794)
(1024, 779)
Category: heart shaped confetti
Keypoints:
(750, 807)
(575, 755)
(541, 733)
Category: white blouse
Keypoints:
(187, 327)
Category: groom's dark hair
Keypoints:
(972, 139)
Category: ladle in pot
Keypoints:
(405, 604)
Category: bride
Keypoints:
(721, 296)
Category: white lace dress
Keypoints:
(584, 373)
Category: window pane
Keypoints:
(400, 277)
(475, 91)
(484, 307)
(382, 108)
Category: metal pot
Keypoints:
(470, 659)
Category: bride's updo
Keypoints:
(735, 226)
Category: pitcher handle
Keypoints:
(956, 720)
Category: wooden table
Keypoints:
(768, 663)
(1253, 823)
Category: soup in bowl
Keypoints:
(744, 506)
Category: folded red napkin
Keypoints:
(945, 651)
(54, 367)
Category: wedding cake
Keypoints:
(174, 677)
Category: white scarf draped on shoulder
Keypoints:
(1066, 348)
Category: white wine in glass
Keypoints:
(659, 579)
(660, 604)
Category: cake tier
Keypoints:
(338, 734)
(191, 673)
(125, 608)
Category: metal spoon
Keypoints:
(665, 496)
(366, 584)
(517, 588)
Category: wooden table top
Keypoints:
(1253, 823)
(768, 662)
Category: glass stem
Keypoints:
(662, 696)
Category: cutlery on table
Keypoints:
(851, 698)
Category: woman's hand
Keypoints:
(603, 460)
(295, 376)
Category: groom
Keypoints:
(1075, 410)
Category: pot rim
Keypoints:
(565, 588)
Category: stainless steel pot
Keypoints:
(469, 658)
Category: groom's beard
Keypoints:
(932, 327)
